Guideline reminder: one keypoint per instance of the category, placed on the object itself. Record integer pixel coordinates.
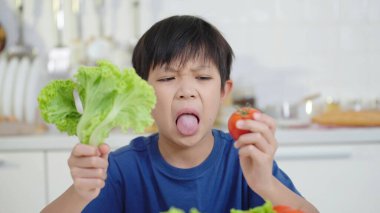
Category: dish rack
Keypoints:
(20, 79)
(21, 75)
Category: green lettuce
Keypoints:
(267, 207)
(176, 210)
(110, 98)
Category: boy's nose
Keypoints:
(186, 93)
(186, 96)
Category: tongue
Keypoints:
(187, 124)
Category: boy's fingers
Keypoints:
(255, 139)
(104, 150)
(267, 120)
(89, 162)
(88, 173)
(81, 150)
(250, 151)
(259, 127)
(88, 183)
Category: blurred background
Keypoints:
(286, 52)
(314, 65)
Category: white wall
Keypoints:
(284, 48)
(289, 48)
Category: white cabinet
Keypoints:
(335, 178)
(337, 170)
(58, 173)
(22, 181)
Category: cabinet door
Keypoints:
(22, 182)
(59, 177)
(335, 178)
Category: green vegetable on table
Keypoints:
(267, 207)
(111, 98)
(176, 210)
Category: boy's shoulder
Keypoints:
(221, 135)
(138, 144)
(141, 144)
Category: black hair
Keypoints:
(182, 38)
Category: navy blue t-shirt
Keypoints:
(140, 180)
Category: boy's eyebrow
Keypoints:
(168, 68)
(200, 67)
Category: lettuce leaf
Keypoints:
(267, 207)
(110, 98)
(56, 104)
(176, 210)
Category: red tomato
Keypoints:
(243, 113)
(285, 209)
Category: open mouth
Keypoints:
(187, 123)
(187, 114)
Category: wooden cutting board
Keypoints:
(12, 128)
(349, 118)
(2, 38)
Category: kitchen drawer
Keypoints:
(22, 182)
(335, 178)
(59, 177)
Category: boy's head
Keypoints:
(181, 38)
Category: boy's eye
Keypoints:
(204, 78)
(166, 79)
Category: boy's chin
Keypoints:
(188, 142)
(191, 140)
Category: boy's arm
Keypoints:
(69, 201)
(256, 155)
(279, 194)
(88, 167)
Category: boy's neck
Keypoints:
(186, 157)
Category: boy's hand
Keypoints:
(256, 151)
(88, 167)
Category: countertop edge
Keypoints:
(285, 137)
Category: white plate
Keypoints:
(19, 88)
(30, 103)
(3, 67)
(8, 87)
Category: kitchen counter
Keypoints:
(306, 155)
(312, 136)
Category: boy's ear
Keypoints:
(228, 85)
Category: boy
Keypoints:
(187, 163)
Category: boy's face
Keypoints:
(188, 100)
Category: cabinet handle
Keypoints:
(313, 153)
(4, 164)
